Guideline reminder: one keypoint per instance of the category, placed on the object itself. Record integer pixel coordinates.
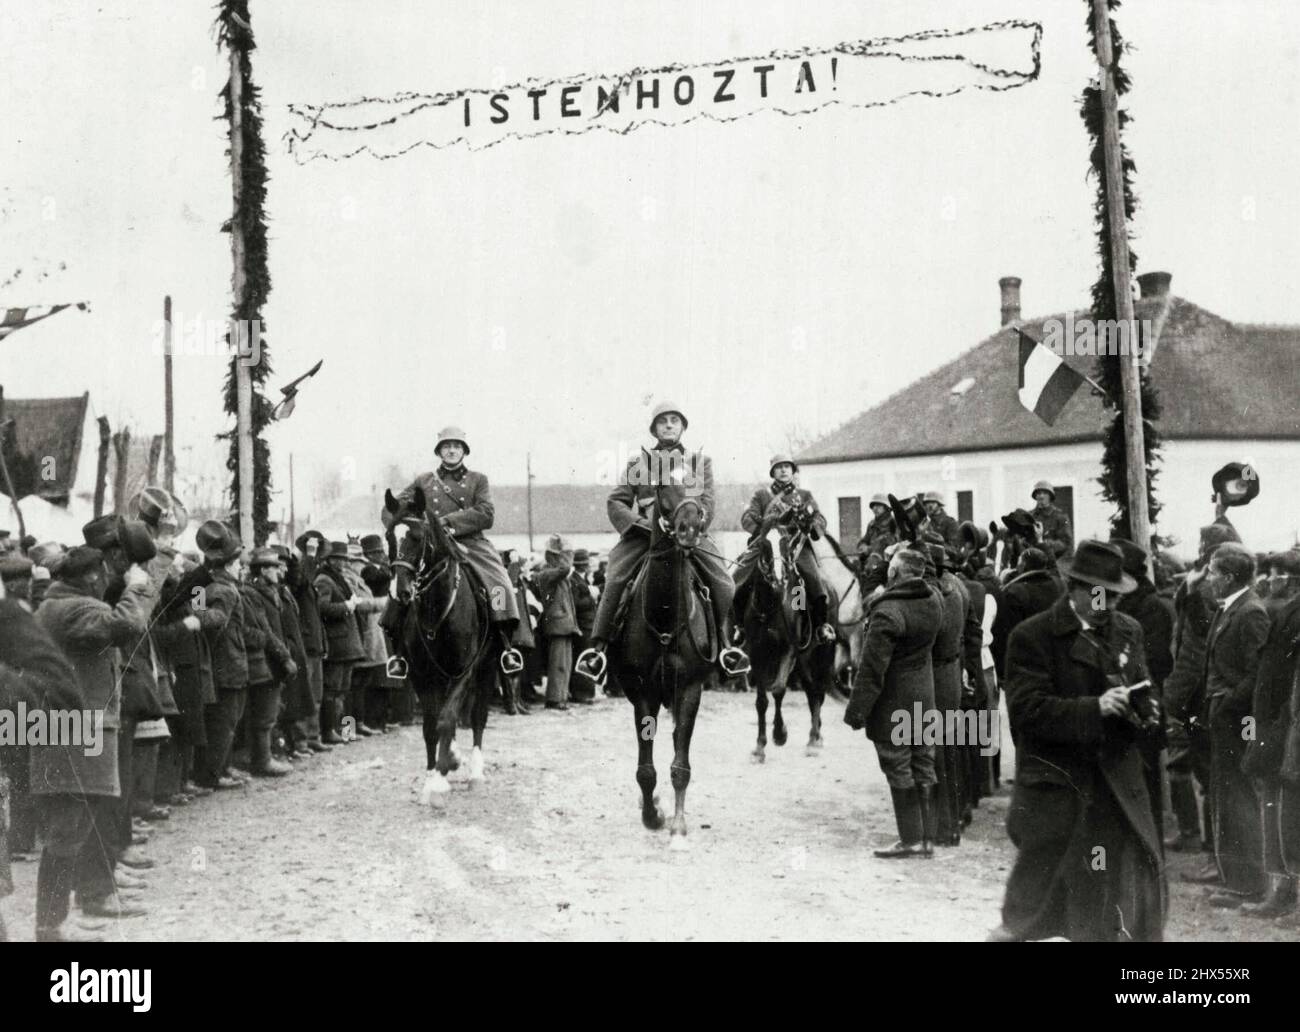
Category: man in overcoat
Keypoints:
(768, 506)
(80, 786)
(1233, 649)
(631, 507)
(462, 500)
(893, 684)
(1089, 861)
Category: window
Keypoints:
(965, 506)
(850, 521)
(1065, 502)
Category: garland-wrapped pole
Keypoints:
(249, 460)
(243, 374)
(1135, 515)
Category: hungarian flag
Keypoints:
(1046, 382)
(16, 318)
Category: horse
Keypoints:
(445, 636)
(666, 649)
(841, 575)
(780, 636)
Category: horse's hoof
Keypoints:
(476, 764)
(679, 843)
(652, 817)
(757, 756)
(814, 747)
(779, 736)
(435, 789)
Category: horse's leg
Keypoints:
(779, 734)
(816, 695)
(686, 706)
(435, 781)
(487, 678)
(448, 720)
(760, 704)
(645, 712)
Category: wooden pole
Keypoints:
(101, 466)
(243, 375)
(1134, 443)
(169, 433)
(528, 465)
(293, 522)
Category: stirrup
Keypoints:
(397, 668)
(511, 661)
(591, 663)
(733, 661)
(825, 634)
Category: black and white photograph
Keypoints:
(574, 471)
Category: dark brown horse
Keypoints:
(779, 636)
(665, 650)
(445, 637)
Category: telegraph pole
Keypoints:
(1135, 459)
(169, 433)
(528, 460)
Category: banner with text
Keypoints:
(864, 74)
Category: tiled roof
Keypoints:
(1215, 378)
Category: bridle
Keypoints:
(427, 574)
(666, 638)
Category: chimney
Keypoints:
(1155, 284)
(1010, 287)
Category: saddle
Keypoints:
(695, 586)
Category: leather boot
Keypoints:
(1279, 899)
(929, 818)
(1182, 798)
(911, 826)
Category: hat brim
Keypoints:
(1123, 586)
(771, 470)
(671, 412)
(451, 440)
(224, 554)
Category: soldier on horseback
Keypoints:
(631, 507)
(772, 506)
(460, 499)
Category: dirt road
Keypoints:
(551, 847)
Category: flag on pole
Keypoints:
(17, 318)
(1046, 382)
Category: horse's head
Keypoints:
(680, 516)
(407, 537)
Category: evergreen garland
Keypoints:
(235, 33)
(1114, 477)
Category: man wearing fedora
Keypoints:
(270, 663)
(1089, 862)
(581, 687)
(222, 611)
(1238, 634)
(344, 648)
(559, 619)
(125, 543)
(631, 506)
(462, 500)
(311, 546)
(765, 510)
(1056, 536)
(80, 789)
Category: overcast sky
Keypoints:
(769, 274)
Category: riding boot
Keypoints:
(820, 620)
(929, 818)
(1278, 900)
(911, 826)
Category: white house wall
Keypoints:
(1001, 480)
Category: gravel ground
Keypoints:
(551, 846)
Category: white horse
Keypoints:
(841, 573)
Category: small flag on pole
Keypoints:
(16, 318)
(1046, 382)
